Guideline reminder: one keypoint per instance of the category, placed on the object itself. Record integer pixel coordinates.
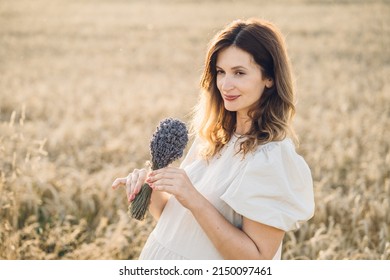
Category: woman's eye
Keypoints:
(220, 72)
(239, 73)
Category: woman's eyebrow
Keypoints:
(233, 68)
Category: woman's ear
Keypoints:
(269, 83)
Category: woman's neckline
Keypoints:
(237, 135)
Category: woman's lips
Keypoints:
(231, 97)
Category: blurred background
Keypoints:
(84, 83)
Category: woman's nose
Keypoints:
(227, 83)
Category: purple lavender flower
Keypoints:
(166, 145)
(168, 142)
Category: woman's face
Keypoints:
(239, 80)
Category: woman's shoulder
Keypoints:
(276, 149)
(275, 187)
(286, 142)
(281, 158)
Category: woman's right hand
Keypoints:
(132, 183)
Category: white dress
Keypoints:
(273, 186)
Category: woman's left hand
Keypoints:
(176, 182)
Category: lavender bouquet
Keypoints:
(166, 145)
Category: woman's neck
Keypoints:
(243, 124)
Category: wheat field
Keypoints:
(84, 83)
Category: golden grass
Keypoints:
(84, 83)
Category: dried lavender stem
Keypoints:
(141, 202)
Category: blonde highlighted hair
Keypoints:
(272, 114)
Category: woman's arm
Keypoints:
(157, 203)
(253, 241)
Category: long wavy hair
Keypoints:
(272, 115)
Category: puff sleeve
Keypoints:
(275, 189)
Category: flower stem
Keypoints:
(141, 202)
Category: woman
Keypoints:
(241, 185)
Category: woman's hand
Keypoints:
(176, 182)
(132, 183)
